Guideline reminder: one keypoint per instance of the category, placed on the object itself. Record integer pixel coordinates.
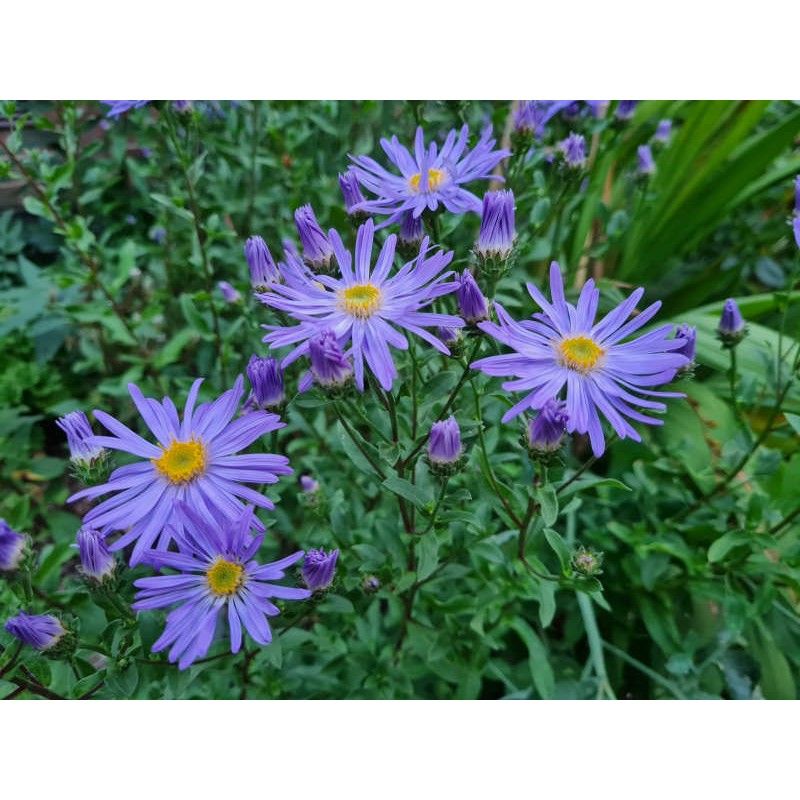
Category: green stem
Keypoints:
(12, 661)
(439, 499)
(732, 376)
(356, 439)
(644, 669)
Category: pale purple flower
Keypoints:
(266, 378)
(317, 249)
(563, 348)
(351, 191)
(82, 451)
(319, 569)
(217, 579)
(12, 547)
(194, 463)
(428, 177)
(444, 442)
(496, 236)
(42, 632)
(363, 306)
(263, 270)
(688, 336)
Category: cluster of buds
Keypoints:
(495, 243)
(317, 248)
(732, 327)
(266, 378)
(445, 454)
(90, 462)
(544, 435)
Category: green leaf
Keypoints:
(408, 491)
(170, 205)
(547, 602)
(540, 669)
(547, 499)
(174, 347)
(428, 555)
(193, 316)
(560, 548)
(776, 682)
(727, 542)
(352, 452)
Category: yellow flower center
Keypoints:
(361, 300)
(225, 577)
(579, 353)
(436, 177)
(182, 461)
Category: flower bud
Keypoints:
(445, 454)
(266, 378)
(452, 339)
(330, 368)
(646, 165)
(663, 131)
(545, 433)
(230, 294)
(12, 547)
(42, 632)
(263, 270)
(472, 304)
(317, 249)
(371, 584)
(79, 435)
(159, 234)
(312, 495)
(573, 149)
(318, 569)
(411, 235)
(688, 337)
(496, 236)
(308, 484)
(351, 191)
(587, 562)
(732, 327)
(626, 109)
(97, 562)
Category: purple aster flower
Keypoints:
(444, 443)
(216, 574)
(263, 269)
(317, 249)
(159, 235)
(545, 432)
(496, 236)
(351, 191)
(663, 131)
(82, 450)
(266, 378)
(308, 485)
(97, 562)
(362, 307)
(688, 337)
(194, 462)
(42, 632)
(472, 304)
(646, 165)
(119, 107)
(564, 348)
(318, 569)
(12, 547)
(626, 109)
(230, 294)
(574, 150)
(329, 367)
(411, 231)
(429, 177)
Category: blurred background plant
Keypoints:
(114, 236)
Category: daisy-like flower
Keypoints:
(216, 572)
(564, 348)
(362, 307)
(428, 177)
(193, 462)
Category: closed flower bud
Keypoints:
(545, 433)
(472, 304)
(573, 148)
(371, 584)
(230, 294)
(12, 547)
(82, 451)
(97, 562)
(159, 235)
(330, 368)
(411, 235)
(646, 165)
(308, 484)
(688, 337)
(42, 632)
(351, 191)
(263, 270)
(663, 131)
(445, 455)
(732, 327)
(496, 236)
(317, 249)
(266, 378)
(452, 339)
(312, 495)
(598, 107)
(318, 569)
(587, 562)
(626, 108)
